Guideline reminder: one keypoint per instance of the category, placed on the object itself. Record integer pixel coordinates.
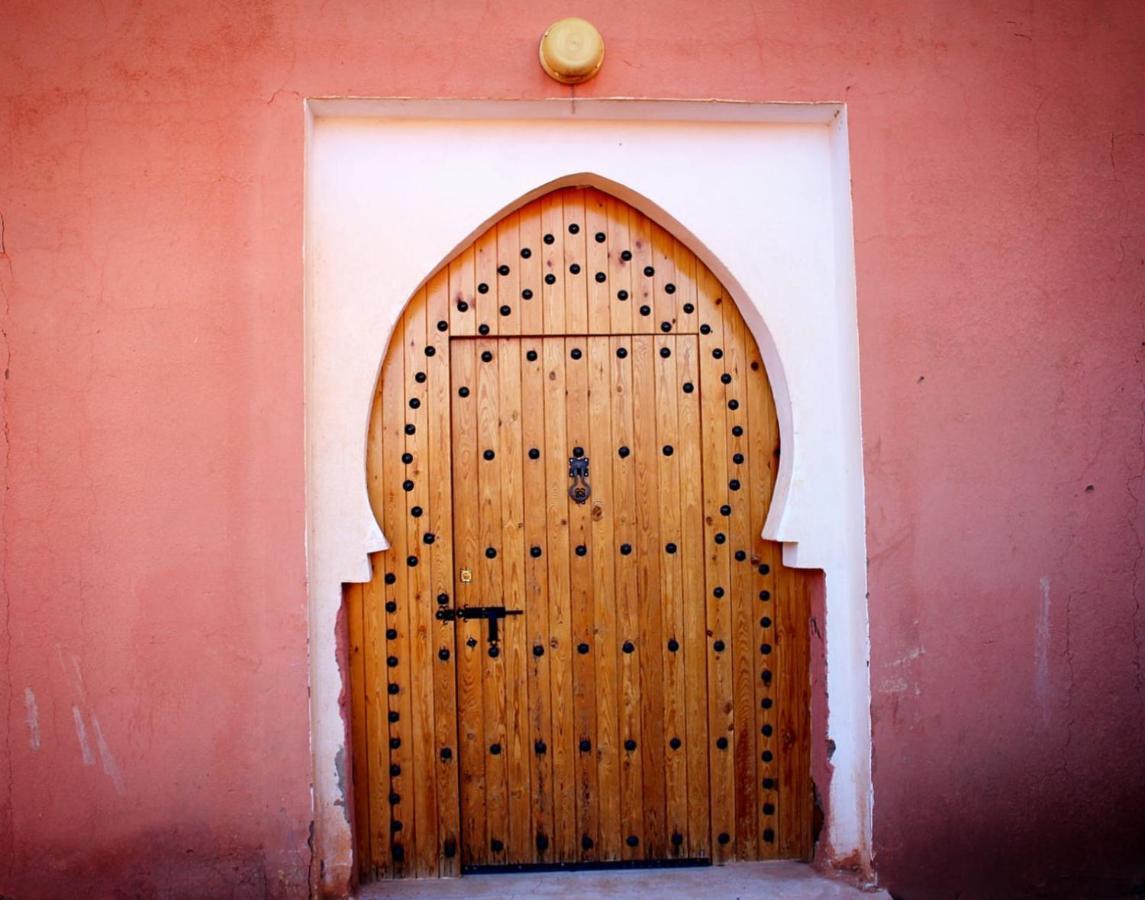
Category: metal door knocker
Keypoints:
(580, 490)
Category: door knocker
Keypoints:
(580, 490)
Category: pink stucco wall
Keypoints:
(152, 505)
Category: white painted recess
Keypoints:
(760, 192)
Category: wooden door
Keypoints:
(582, 738)
(651, 699)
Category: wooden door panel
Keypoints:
(651, 701)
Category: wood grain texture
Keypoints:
(686, 672)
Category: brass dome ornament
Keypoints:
(572, 51)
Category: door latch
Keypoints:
(492, 614)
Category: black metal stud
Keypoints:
(443, 654)
(667, 450)
(621, 352)
(576, 353)
(767, 703)
(675, 743)
(705, 329)
(765, 676)
(646, 310)
(526, 294)
(677, 839)
(726, 378)
(765, 622)
(665, 352)
(471, 642)
(535, 552)
(765, 596)
(420, 377)
(411, 429)
(393, 715)
(449, 848)
(494, 651)
(721, 537)
(490, 553)
(717, 353)
(628, 647)
(505, 310)
(391, 606)
(734, 484)
(741, 555)
(531, 356)
(670, 547)
(539, 747)
(765, 649)
(395, 770)
(689, 308)
(395, 743)
(550, 278)
(502, 269)
(737, 431)
(392, 688)
(581, 549)
(398, 852)
(688, 387)
(391, 577)
(574, 229)
(483, 288)
(534, 453)
(429, 537)
(733, 404)
(586, 842)
(391, 634)
(768, 784)
(673, 645)
(542, 843)
(442, 599)
(416, 511)
(769, 835)
(407, 485)
(626, 255)
(764, 568)
(496, 845)
(442, 325)
(575, 268)
(488, 455)
(487, 356)
(767, 756)
(462, 306)
(600, 277)
(766, 730)
(578, 452)
(722, 743)
(717, 592)
(623, 452)
(538, 650)
(585, 745)
(495, 749)
(482, 328)
(411, 561)
(430, 351)
(463, 391)
(632, 840)
(526, 253)
(665, 326)
(625, 549)
(582, 648)
(737, 458)
(649, 271)
(600, 237)
(718, 646)
(724, 837)
(407, 458)
(622, 295)
(548, 238)
(630, 745)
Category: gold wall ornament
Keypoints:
(572, 51)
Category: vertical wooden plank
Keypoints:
(671, 588)
(717, 567)
(509, 274)
(531, 260)
(553, 262)
(485, 274)
(355, 628)
(664, 280)
(420, 725)
(398, 837)
(745, 651)
(627, 598)
(470, 637)
(439, 558)
(596, 269)
(487, 578)
(600, 450)
(513, 630)
(462, 311)
(619, 268)
(536, 601)
(562, 747)
(575, 260)
(687, 318)
(643, 293)
(656, 746)
(695, 621)
(581, 603)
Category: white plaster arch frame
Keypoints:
(761, 192)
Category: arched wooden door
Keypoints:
(577, 650)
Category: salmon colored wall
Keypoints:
(154, 624)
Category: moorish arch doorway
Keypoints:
(577, 649)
